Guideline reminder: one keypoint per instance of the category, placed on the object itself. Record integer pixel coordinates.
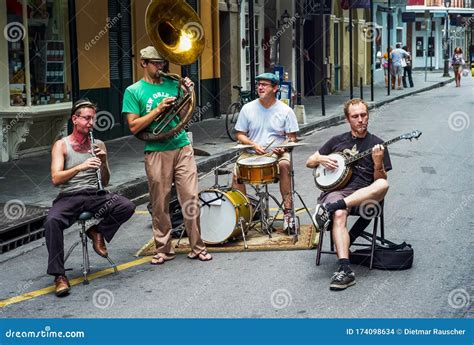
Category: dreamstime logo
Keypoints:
(103, 299)
(369, 32)
(110, 23)
(14, 32)
(458, 121)
(281, 298)
(104, 121)
(194, 30)
(279, 33)
(14, 209)
(370, 209)
(459, 298)
(190, 209)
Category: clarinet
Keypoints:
(101, 190)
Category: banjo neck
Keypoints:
(367, 152)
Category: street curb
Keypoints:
(137, 190)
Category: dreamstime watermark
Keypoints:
(194, 30)
(202, 288)
(110, 23)
(198, 114)
(103, 299)
(47, 332)
(104, 208)
(12, 123)
(459, 298)
(458, 121)
(14, 32)
(104, 121)
(370, 209)
(369, 32)
(466, 201)
(14, 209)
(190, 209)
(459, 30)
(279, 33)
(21, 289)
(371, 298)
(281, 298)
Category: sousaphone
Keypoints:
(176, 32)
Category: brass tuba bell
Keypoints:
(176, 32)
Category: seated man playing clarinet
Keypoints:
(79, 168)
(368, 183)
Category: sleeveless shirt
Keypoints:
(86, 179)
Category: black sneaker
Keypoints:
(321, 218)
(342, 280)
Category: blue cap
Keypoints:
(269, 76)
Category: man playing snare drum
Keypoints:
(266, 123)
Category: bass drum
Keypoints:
(220, 214)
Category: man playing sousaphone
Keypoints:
(168, 160)
(265, 123)
(76, 166)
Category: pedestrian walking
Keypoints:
(457, 61)
(407, 65)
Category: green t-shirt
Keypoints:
(141, 97)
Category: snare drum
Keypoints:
(220, 214)
(258, 170)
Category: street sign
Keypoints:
(384, 9)
(408, 17)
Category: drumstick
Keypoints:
(266, 147)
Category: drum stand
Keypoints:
(263, 206)
(217, 172)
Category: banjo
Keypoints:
(328, 180)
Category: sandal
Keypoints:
(161, 258)
(202, 256)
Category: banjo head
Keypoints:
(326, 179)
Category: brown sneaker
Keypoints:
(98, 242)
(62, 286)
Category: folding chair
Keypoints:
(356, 231)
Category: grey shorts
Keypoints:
(329, 197)
(397, 71)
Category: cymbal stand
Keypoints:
(293, 192)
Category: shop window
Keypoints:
(41, 58)
(15, 34)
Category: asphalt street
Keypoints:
(429, 205)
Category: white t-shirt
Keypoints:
(264, 125)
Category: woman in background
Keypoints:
(457, 61)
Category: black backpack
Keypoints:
(389, 256)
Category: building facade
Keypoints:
(36, 70)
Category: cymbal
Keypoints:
(289, 145)
(241, 146)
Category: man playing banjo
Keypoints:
(367, 185)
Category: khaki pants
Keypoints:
(162, 168)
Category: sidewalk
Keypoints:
(29, 180)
